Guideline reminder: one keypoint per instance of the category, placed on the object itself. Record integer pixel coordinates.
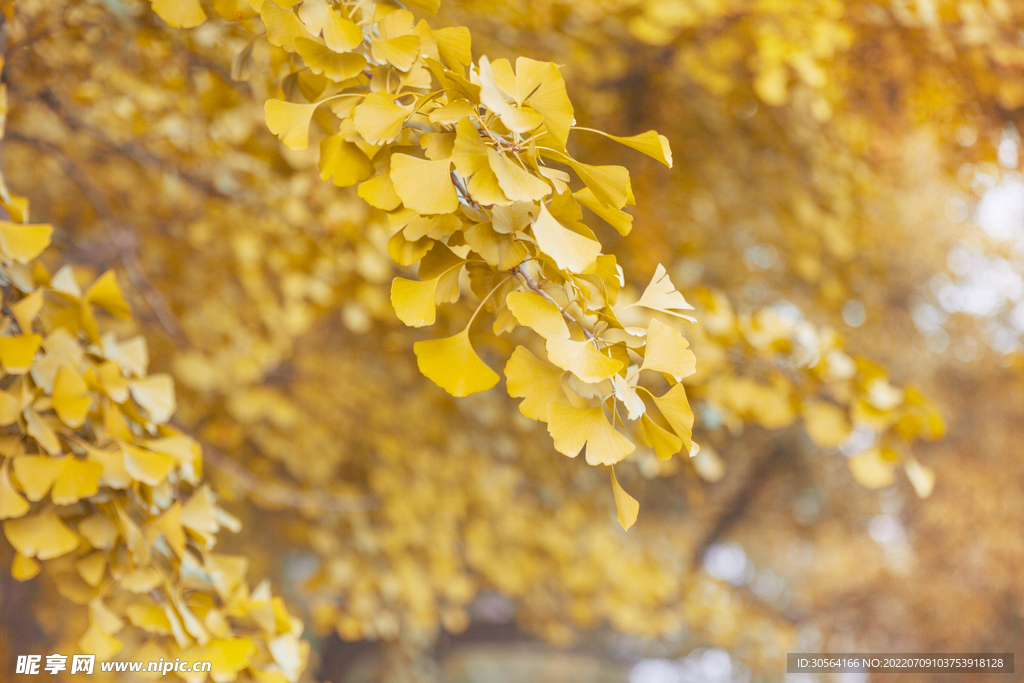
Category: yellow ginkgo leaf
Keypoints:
(106, 294)
(453, 365)
(543, 88)
(43, 536)
(344, 161)
(667, 351)
(405, 252)
(40, 430)
(571, 428)
(150, 618)
(17, 353)
(618, 219)
(11, 502)
(538, 313)
(922, 478)
(581, 359)
(36, 474)
(400, 52)
(826, 424)
(536, 382)
(517, 183)
(675, 408)
(180, 13)
(156, 396)
(95, 641)
(99, 531)
(610, 184)
(226, 656)
(290, 120)
(378, 119)
(24, 568)
(413, 301)
(322, 59)
(661, 295)
(626, 504)
(570, 250)
(78, 479)
(649, 143)
(26, 310)
(147, 466)
(283, 26)
(871, 470)
(71, 399)
(92, 567)
(340, 33)
(665, 443)
(10, 408)
(424, 186)
(627, 395)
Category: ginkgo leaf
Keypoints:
(826, 424)
(405, 252)
(36, 474)
(43, 536)
(634, 404)
(536, 382)
(667, 351)
(452, 364)
(517, 183)
(618, 219)
(424, 186)
(156, 396)
(871, 470)
(42, 432)
(378, 119)
(413, 301)
(283, 26)
(343, 161)
(17, 353)
(290, 121)
(610, 184)
(519, 120)
(426, 5)
(571, 428)
(400, 52)
(22, 243)
(379, 192)
(650, 143)
(180, 13)
(95, 641)
(340, 33)
(71, 399)
(24, 568)
(675, 408)
(26, 310)
(322, 59)
(538, 313)
(147, 466)
(570, 250)
(543, 88)
(581, 359)
(11, 502)
(665, 443)
(922, 478)
(99, 531)
(453, 44)
(661, 295)
(78, 479)
(106, 294)
(626, 504)
(452, 113)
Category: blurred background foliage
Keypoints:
(846, 209)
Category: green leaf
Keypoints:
(626, 504)
(413, 301)
(538, 313)
(581, 359)
(290, 121)
(571, 428)
(570, 250)
(452, 364)
(666, 351)
(378, 119)
(424, 186)
(676, 410)
(534, 381)
(344, 161)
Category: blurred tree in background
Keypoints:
(842, 206)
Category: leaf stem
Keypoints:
(484, 300)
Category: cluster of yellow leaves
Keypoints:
(765, 369)
(469, 176)
(99, 489)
